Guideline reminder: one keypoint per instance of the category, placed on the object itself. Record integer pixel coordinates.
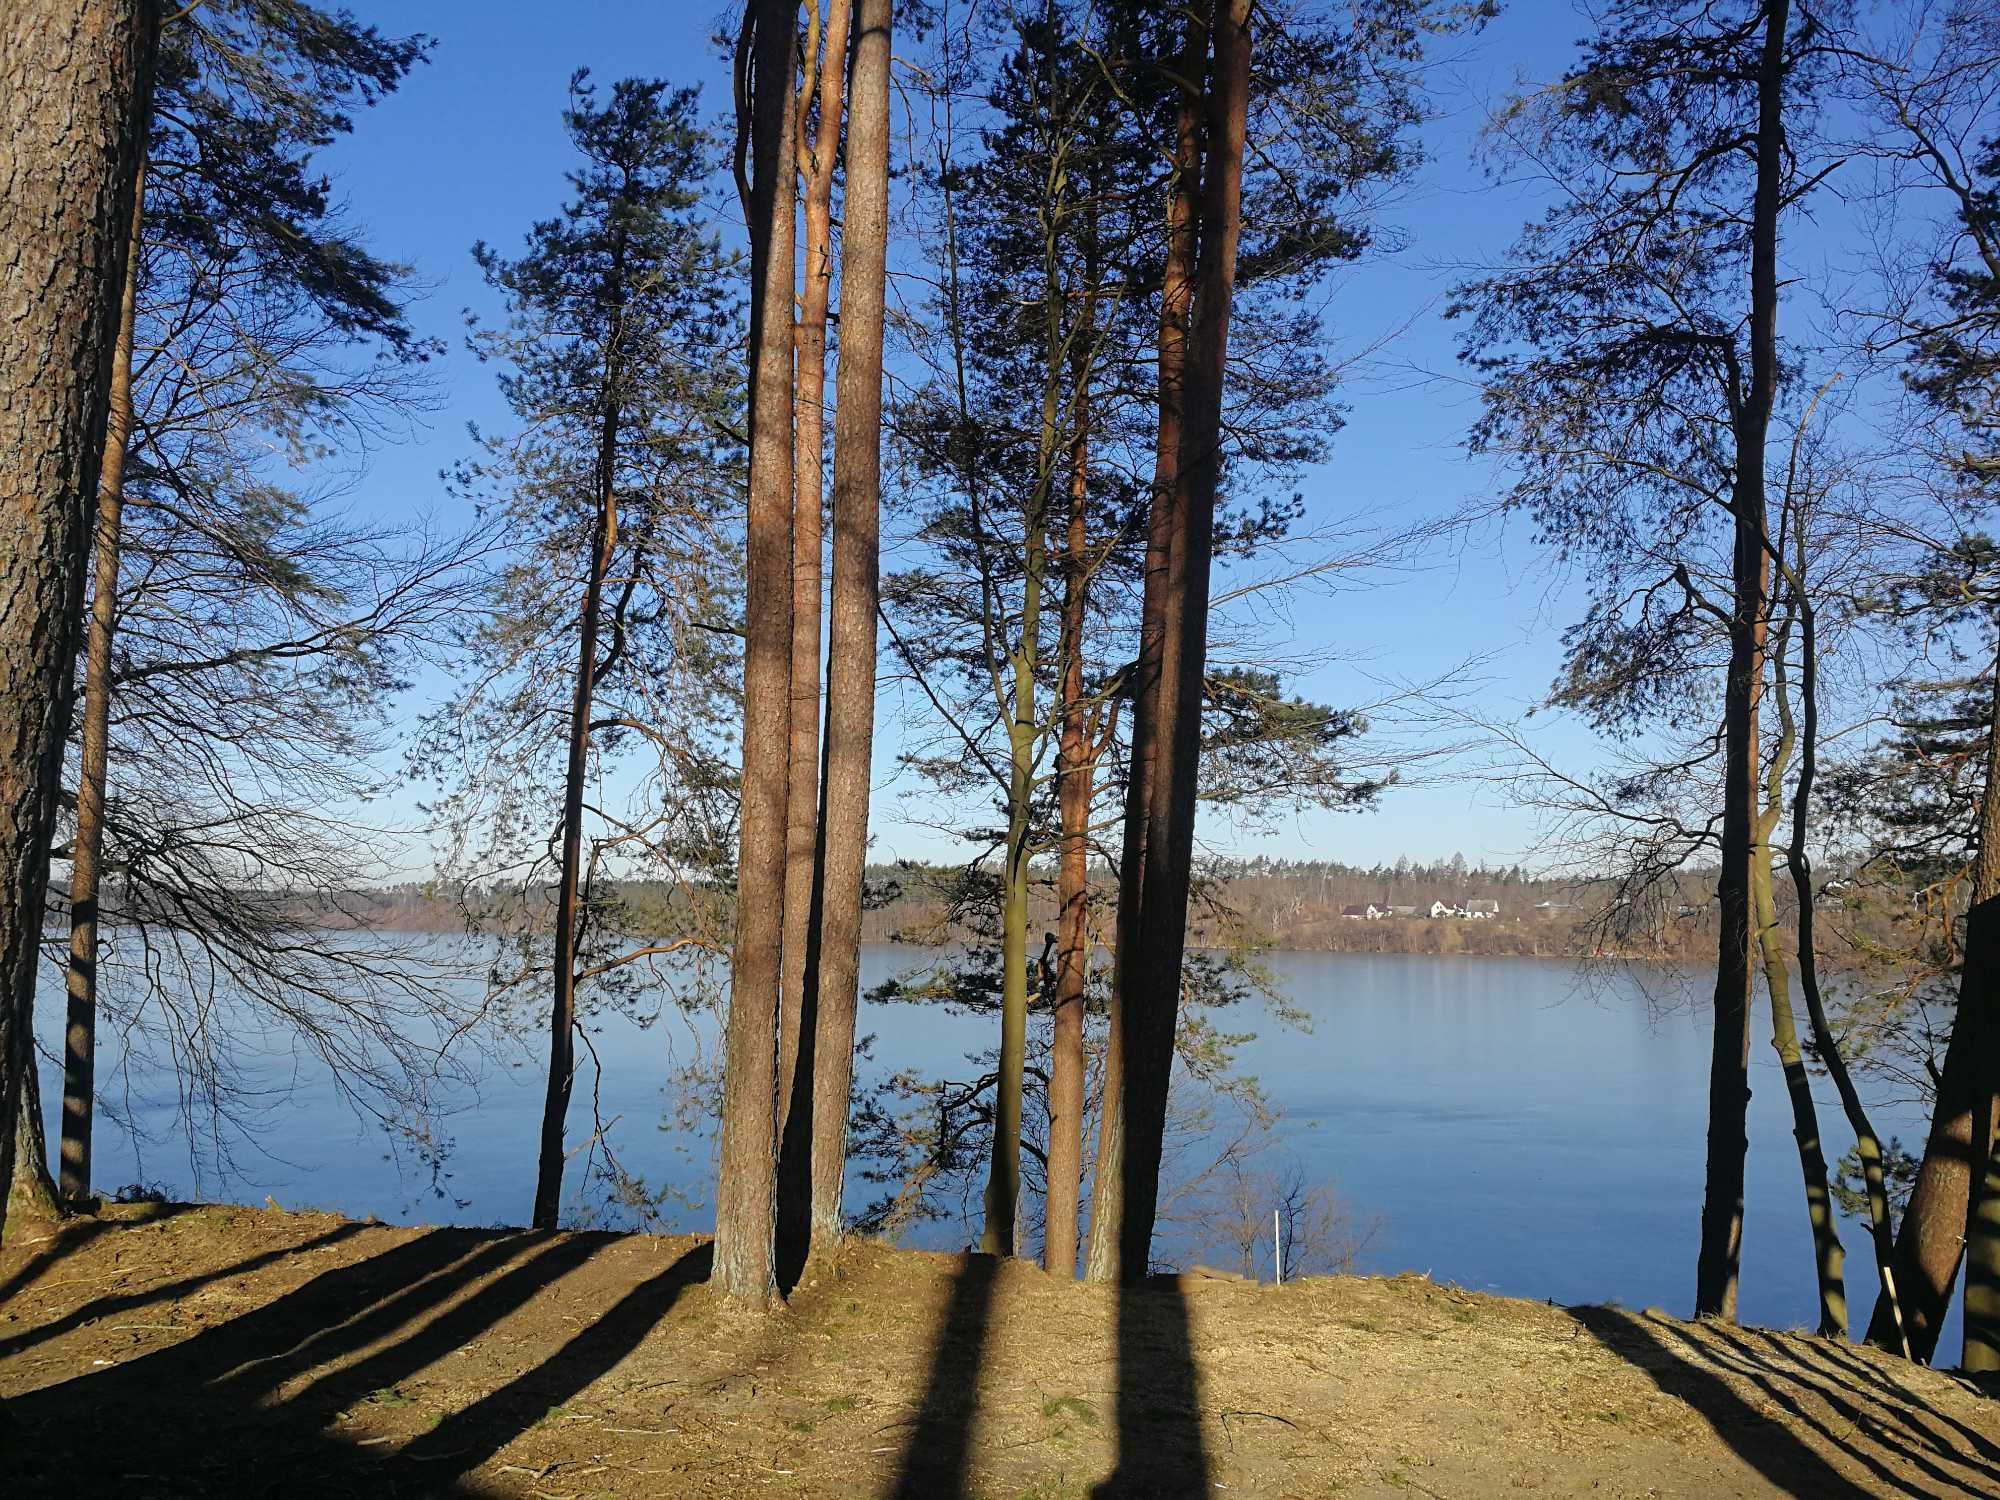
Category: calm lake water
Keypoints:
(1514, 1129)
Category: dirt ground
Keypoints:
(225, 1351)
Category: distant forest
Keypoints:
(1271, 903)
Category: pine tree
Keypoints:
(614, 615)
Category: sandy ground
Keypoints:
(222, 1352)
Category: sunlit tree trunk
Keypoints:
(32, 1190)
(746, 1195)
(80, 1029)
(795, 1003)
(1826, 1046)
(74, 79)
(1828, 1258)
(1151, 1002)
(850, 704)
(1163, 520)
(1721, 1252)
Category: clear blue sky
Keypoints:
(472, 148)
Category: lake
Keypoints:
(1511, 1128)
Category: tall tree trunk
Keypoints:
(1163, 524)
(1931, 1239)
(74, 78)
(1826, 1046)
(746, 1195)
(80, 1031)
(1729, 1063)
(31, 1190)
(1153, 1008)
(796, 1002)
(1828, 1257)
(1076, 766)
(850, 703)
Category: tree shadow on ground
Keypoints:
(938, 1456)
(248, 1407)
(1789, 1407)
(1160, 1448)
(71, 1235)
(122, 1303)
(1159, 1435)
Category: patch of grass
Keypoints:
(835, 1404)
(1463, 1313)
(1065, 1412)
(1361, 1325)
(1081, 1409)
(388, 1395)
(801, 1426)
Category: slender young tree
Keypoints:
(1828, 1257)
(746, 1197)
(618, 318)
(1633, 366)
(229, 144)
(833, 970)
(80, 1026)
(77, 77)
(1802, 719)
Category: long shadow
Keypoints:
(939, 1452)
(1857, 1406)
(74, 1234)
(1782, 1392)
(1854, 1370)
(127, 1302)
(468, 1438)
(1160, 1448)
(1769, 1447)
(335, 1389)
(158, 1417)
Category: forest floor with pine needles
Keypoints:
(171, 1350)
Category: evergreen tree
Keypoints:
(608, 635)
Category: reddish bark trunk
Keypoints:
(796, 1002)
(850, 704)
(1151, 1005)
(746, 1195)
(1163, 522)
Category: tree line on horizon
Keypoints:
(1003, 404)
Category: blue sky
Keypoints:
(471, 148)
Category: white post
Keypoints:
(1277, 1245)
